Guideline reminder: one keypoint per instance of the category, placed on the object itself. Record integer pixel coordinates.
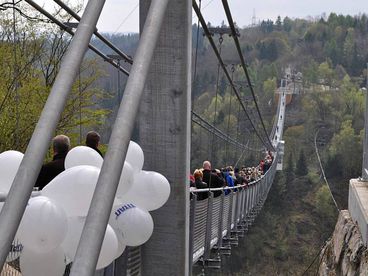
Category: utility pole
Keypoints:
(365, 142)
(254, 18)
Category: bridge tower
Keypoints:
(164, 134)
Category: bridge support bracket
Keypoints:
(213, 263)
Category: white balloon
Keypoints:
(15, 250)
(73, 189)
(133, 224)
(42, 264)
(109, 248)
(9, 164)
(135, 156)
(110, 245)
(43, 226)
(121, 244)
(150, 190)
(83, 155)
(126, 180)
(70, 243)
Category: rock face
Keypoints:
(344, 253)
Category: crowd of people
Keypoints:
(203, 178)
(207, 177)
(60, 148)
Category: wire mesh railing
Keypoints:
(214, 222)
(225, 217)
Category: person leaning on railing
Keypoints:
(212, 179)
(199, 184)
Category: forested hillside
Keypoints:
(331, 53)
(299, 215)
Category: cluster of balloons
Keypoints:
(52, 224)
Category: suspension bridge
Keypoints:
(157, 98)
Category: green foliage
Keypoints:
(346, 150)
(301, 165)
(267, 26)
(325, 73)
(287, 24)
(324, 204)
(30, 66)
(330, 54)
(293, 136)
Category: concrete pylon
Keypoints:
(164, 134)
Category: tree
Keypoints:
(278, 23)
(287, 24)
(269, 88)
(346, 148)
(324, 204)
(326, 73)
(333, 51)
(301, 165)
(348, 49)
(30, 64)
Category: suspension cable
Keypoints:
(208, 34)
(126, 57)
(68, 30)
(323, 171)
(220, 134)
(16, 76)
(236, 40)
(194, 80)
(228, 120)
(213, 148)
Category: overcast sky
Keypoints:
(122, 15)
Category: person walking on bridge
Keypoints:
(93, 141)
(60, 147)
(212, 179)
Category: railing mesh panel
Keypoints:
(216, 212)
(200, 218)
(225, 216)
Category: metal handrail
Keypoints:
(195, 190)
(211, 224)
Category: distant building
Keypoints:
(291, 83)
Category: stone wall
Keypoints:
(344, 253)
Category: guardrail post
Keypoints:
(247, 206)
(193, 203)
(225, 248)
(243, 203)
(253, 202)
(233, 233)
(236, 212)
(257, 193)
(219, 240)
(228, 237)
(207, 243)
(240, 214)
(209, 262)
